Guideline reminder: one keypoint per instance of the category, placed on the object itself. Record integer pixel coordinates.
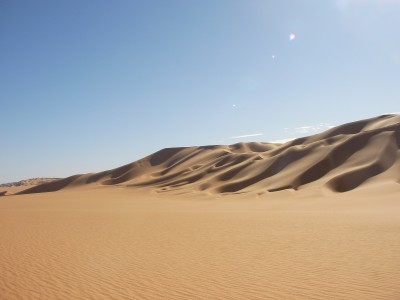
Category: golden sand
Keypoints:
(112, 243)
(315, 218)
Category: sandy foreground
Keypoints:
(119, 243)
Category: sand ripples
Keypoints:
(162, 249)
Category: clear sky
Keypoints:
(90, 85)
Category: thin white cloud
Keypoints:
(282, 141)
(304, 129)
(297, 132)
(246, 136)
(311, 128)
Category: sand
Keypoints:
(112, 243)
(314, 218)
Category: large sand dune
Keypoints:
(316, 218)
(340, 159)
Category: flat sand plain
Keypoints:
(121, 243)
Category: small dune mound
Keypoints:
(341, 159)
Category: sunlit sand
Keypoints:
(315, 218)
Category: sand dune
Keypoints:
(15, 187)
(339, 160)
(314, 218)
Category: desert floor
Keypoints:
(119, 243)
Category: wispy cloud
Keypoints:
(309, 128)
(282, 141)
(246, 136)
(304, 129)
(297, 132)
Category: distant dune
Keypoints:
(339, 159)
(28, 182)
(14, 187)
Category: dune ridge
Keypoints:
(339, 160)
(28, 182)
(14, 187)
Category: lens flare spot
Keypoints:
(292, 36)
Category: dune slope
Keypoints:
(15, 187)
(340, 159)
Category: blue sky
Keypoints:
(90, 85)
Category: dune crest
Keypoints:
(339, 159)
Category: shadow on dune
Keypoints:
(51, 186)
